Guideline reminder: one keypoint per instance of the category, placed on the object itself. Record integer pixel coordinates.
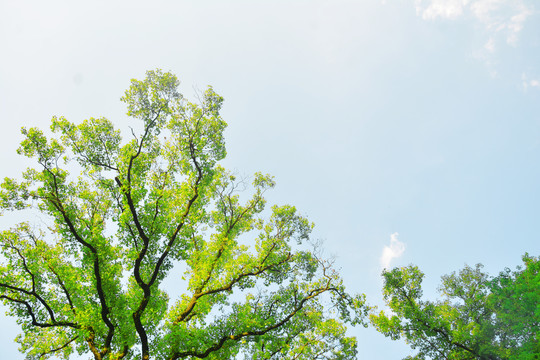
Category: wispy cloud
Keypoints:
(393, 251)
(432, 9)
(500, 22)
(490, 45)
(526, 82)
(506, 17)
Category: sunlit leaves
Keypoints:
(129, 215)
(94, 142)
(478, 318)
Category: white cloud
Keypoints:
(393, 251)
(440, 8)
(483, 9)
(506, 17)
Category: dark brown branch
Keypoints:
(139, 150)
(179, 227)
(227, 287)
(137, 272)
(58, 348)
(63, 286)
(33, 292)
(55, 200)
(236, 337)
(222, 248)
(146, 241)
(127, 193)
(32, 314)
(97, 273)
(142, 235)
(146, 288)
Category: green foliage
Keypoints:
(516, 300)
(478, 317)
(247, 283)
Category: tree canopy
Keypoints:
(479, 317)
(120, 217)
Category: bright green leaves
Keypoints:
(36, 144)
(91, 281)
(479, 317)
(197, 133)
(450, 328)
(13, 195)
(515, 296)
(288, 224)
(262, 181)
(94, 142)
(320, 338)
(407, 280)
(36, 282)
(152, 98)
(272, 319)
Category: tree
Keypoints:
(515, 298)
(478, 318)
(247, 281)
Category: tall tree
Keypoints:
(246, 280)
(478, 317)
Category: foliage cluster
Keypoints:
(90, 280)
(479, 317)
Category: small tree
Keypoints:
(478, 318)
(160, 205)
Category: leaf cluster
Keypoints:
(159, 206)
(478, 317)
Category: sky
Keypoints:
(408, 131)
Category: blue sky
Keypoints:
(411, 126)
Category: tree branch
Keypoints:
(227, 287)
(56, 202)
(238, 336)
(32, 314)
(58, 348)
